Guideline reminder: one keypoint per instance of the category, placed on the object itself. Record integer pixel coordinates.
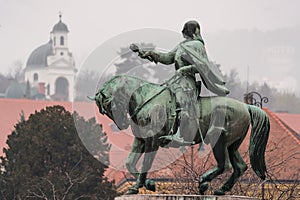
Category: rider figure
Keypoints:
(190, 58)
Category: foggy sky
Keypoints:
(26, 24)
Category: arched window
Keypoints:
(35, 77)
(61, 89)
(62, 40)
(48, 89)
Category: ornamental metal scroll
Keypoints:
(254, 98)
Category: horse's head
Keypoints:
(114, 97)
(113, 106)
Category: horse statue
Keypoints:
(150, 109)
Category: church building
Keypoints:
(50, 68)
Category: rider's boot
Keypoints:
(177, 138)
(185, 125)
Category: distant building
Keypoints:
(50, 68)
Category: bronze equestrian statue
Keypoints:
(156, 113)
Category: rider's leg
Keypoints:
(188, 127)
(188, 124)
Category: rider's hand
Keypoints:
(150, 55)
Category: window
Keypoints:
(48, 89)
(62, 89)
(54, 41)
(35, 77)
(61, 53)
(62, 40)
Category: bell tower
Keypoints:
(59, 36)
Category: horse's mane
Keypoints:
(123, 77)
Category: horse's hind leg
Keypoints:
(238, 164)
(239, 167)
(216, 137)
(219, 152)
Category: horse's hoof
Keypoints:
(203, 187)
(219, 192)
(150, 185)
(132, 191)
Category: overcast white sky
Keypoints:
(26, 24)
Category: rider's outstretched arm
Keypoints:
(164, 58)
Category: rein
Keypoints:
(167, 83)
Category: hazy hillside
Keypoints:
(272, 56)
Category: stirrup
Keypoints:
(176, 139)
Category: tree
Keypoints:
(233, 83)
(45, 159)
(86, 84)
(278, 101)
(286, 102)
(133, 65)
(130, 59)
(16, 72)
(186, 172)
(4, 83)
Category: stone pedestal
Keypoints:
(181, 197)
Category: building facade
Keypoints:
(50, 68)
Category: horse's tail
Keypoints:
(258, 140)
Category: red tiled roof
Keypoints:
(290, 123)
(12, 108)
(292, 120)
(281, 140)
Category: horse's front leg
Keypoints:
(150, 153)
(137, 149)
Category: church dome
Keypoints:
(60, 26)
(38, 58)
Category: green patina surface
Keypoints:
(156, 112)
(150, 109)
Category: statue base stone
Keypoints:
(181, 197)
